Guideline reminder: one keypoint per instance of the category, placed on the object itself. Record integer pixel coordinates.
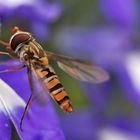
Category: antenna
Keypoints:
(15, 29)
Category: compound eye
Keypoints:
(18, 39)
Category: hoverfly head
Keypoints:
(19, 37)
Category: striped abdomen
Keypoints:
(56, 90)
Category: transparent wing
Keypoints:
(39, 92)
(79, 69)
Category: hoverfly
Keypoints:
(24, 47)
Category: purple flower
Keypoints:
(40, 122)
(38, 15)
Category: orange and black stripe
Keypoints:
(56, 89)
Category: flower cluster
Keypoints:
(37, 15)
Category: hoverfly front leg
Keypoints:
(8, 48)
(5, 44)
(8, 54)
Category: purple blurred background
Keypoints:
(104, 32)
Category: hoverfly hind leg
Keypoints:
(26, 110)
(13, 69)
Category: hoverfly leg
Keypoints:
(9, 54)
(4, 53)
(30, 79)
(5, 44)
(12, 70)
(25, 111)
(8, 48)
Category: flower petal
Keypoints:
(128, 75)
(9, 103)
(5, 128)
(41, 122)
